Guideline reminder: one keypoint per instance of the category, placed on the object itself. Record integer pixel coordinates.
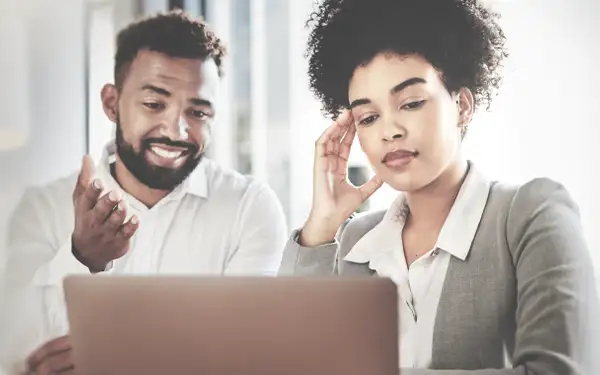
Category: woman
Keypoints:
(483, 269)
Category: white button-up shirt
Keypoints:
(420, 285)
(217, 222)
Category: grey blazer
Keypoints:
(527, 288)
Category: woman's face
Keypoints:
(408, 124)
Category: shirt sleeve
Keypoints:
(38, 257)
(261, 234)
(37, 254)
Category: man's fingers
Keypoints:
(87, 168)
(105, 205)
(90, 196)
(127, 230)
(56, 363)
(59, 344)
(116, 217)
(124, 234)
(370, 187)
(86, 174)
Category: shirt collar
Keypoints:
(457, 233)
(196, 184)
(462, 222)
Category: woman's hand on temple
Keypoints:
(334, 197)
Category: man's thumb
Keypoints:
(87, 170)
(86, 174)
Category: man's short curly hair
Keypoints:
(174, 34)
(460, 38)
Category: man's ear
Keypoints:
(110, 101)
(466, 106)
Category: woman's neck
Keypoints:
(429, 207)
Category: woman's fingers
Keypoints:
(323, 147)
(344, 151)
(370, 187)
(330, 154)
(338, 163)
(324, 159)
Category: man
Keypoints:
(153, 205)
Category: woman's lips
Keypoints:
(399, 158)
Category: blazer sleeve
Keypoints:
(324, 260)
(557, 311)
(310, 261)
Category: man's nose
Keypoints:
(178, 127)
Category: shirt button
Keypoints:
(435, 252)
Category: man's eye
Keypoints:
(153, 105)
(413, 105)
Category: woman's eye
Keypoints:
(413, 105)
(368, 120)
(153, 105)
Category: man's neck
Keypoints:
(429, 207)
(149, 197)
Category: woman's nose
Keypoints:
(392, 130)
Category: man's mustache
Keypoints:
(190, 147)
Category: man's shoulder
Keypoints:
(225, 182)
(49, 205)
(57, 192)
(241, 197)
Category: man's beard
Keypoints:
(155, 177)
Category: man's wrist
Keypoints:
(85, 262)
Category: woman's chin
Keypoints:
(405, 182)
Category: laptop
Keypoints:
(156, 325)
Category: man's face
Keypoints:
(163, 114)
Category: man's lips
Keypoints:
(168, 155)
(169, 151)
(170, 147)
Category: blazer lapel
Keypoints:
(468, 332)
(456, 323)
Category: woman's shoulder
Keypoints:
(363, 222)
(531, 197)
(357, 225)
(539, 213)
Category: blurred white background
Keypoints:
(56, 55)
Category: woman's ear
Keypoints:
(110, 101)
(466, 106)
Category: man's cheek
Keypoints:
(206, 135)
